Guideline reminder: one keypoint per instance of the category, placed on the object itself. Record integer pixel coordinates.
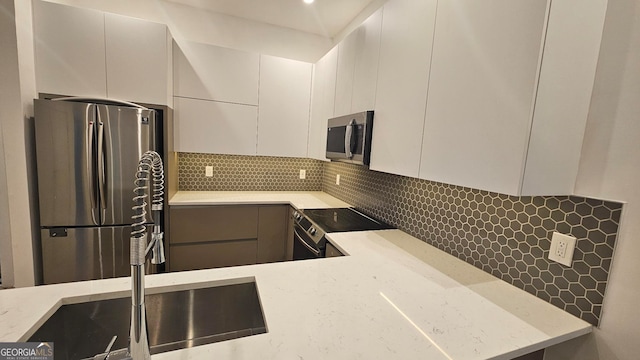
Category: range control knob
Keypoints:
(297, 215)
(312, 231)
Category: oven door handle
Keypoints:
(301, 239)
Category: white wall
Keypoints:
(610, 169)
(187, 23)
(15, 210)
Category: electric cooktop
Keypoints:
(343, 219)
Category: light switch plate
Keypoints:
(338, 179)
(208, 171)
(303, 174)
(562, 247)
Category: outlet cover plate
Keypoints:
(562, 247)
(208, 171)
(303, 174)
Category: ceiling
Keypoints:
(323, 17)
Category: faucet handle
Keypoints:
(157, 253)
(107, 351)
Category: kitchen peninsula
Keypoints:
(392, 297)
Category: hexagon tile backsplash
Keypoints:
(507, 236)
(247, 173)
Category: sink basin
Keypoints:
(175, 320)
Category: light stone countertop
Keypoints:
(299, 199)
(393, 297)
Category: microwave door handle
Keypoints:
(347, 139)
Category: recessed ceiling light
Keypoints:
(308, 1)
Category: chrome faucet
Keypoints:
(150, 171)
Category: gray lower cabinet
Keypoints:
(204, 237)
(272, 233)
(332, 251)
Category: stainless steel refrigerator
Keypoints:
(87, 155)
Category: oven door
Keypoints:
(303, 246)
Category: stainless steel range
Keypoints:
(312, 224)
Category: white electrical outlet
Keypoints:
(338, 179)
(208, 171)
(303, 174)
(562, 247)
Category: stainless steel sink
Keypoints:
(176, 320)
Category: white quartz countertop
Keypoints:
(393, 297)
(299, 199)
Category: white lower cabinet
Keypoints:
(283, 109)
(207, 126)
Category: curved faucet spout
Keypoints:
(150, 170)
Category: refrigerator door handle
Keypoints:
(102, 186)
(91, 169)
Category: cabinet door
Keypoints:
(564, 96)
(204, 237)
(191, 224)
(206, 126)
(272, 233)
(322, 103)
(213, 255)
(283, 114)
(357, 71)
(403, 76)
(210, 72)
(483, 80)
(69, 50)
(365, 72)
(344, 78)
(136, 59)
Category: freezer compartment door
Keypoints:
(65, 148)
(124, 134)
(76, 254)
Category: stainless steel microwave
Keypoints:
(349, 138)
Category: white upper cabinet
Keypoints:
(494, 79)
(403, 78)
(83, 52)
(136, 59)
(482, 85)
(564, 96)
(365, 72)
(205, 126)
(69, 50)
(344, 74)
(357, 70)
(210, 72)
(283, 111)
(322, 103)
